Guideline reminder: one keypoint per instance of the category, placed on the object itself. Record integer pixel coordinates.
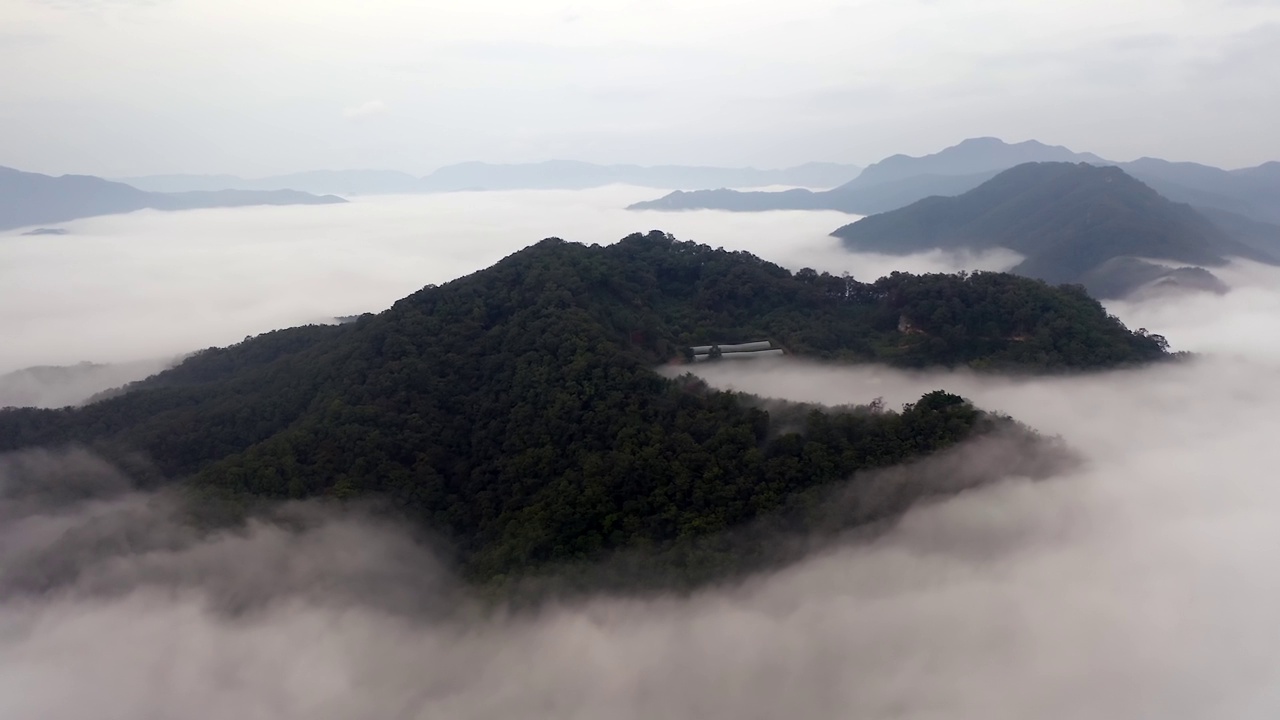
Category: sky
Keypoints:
(132, 87)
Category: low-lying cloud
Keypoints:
(153, 284)
(1244, 322)
(60, 386)
(1138, 584)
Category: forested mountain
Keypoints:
(1066, 219)
(34, 199)
(518, 410)
(549, 175)
(900, 180)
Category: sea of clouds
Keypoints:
(1139, 584)
(150, 286)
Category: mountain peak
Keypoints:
(1066, 219)
(972, 156)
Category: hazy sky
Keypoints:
(123, 87)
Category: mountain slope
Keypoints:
(1262, 236)
(1065, 219)
(1252, 192)
(517, 409)
(35, 199)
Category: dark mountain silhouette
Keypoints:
(900, 180)
(1066, 219)
(35, 199)
(518, 410)
(550, 175)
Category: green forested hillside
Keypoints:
(517, 410)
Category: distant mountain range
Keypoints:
(550, 175)
(1252, 193)
(33, 199)
(1073, 223)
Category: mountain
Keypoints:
(237, 198)
(1251, 192)
(50, 386)
(974, 156)
(550, 175)
(519, 411)
(900, 180)
(1123, 276)
(891, 183)
(1262, 236)
(1066, 219)
(859, 200)
(35, 199)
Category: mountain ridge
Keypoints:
(900, 180)
(1065, 219)
(30, 199)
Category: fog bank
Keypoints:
(1244, 322)
(1138, 585)
(60, 386)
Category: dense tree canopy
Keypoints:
(517, 410)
